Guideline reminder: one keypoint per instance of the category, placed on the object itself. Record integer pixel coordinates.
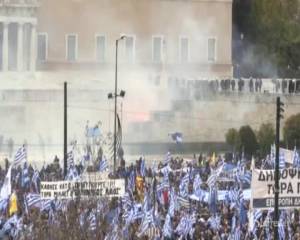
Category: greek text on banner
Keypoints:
(83, 189)
(263, 183)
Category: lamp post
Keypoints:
(122, 94)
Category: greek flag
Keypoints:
(131, 181)
(167, 228)
(281, 160)
(184, 203)
(3, 204)
(214, 222)
(92, 221)
(33, 200)
(35, 180)
(247, 177)
(213, 198)
(25, 176)
(172, 206)
(70, 159)
(185, 226)
(12, 226)
(237, 234)
(183, 186)
(46, 205)
(20, 156)
(143, 167)
(103, 164)
(72, 174)
(197, 186)
(281, 224)
(147, 222)
(168, 158)
(137, 212)
(177, 137)
(296, 159)
(146, 203)
(257, 215)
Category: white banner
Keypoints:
(262, 185)
(83, 189)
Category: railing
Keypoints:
(19, 2)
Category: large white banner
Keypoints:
(83, 189)
(263, 183)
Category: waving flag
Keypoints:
(183, 186)
(70, 159)
(213, 198)
(177, 137)
(296, 159)
(35, 180)
(281, 160)
(33, 200)
(147, 222)
(103, 164)
(143, 167)
(92, 221)
(6, 187)
(25, 176)
(167, 228)
(168, 158)
(20, 156)
(214, 222)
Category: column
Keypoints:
(20, 59)
(33, 47)
(5, 47)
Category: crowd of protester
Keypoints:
(174, 199)
(243, 85)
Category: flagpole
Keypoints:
(65, 129)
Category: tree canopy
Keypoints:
(271, 44)
(291, 131)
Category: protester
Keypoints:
(175, 199)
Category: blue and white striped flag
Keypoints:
(46, 204)
(281, 160)
(173, 202)
(92, 221)
(281, 225)
(168, 158)
(103, 164)
(177, 137)
(147, 222)
(143, 167)
(237, 234)
(35, 180)
(72, 174)
(25, 176)
(214, 222)
(212, 200)
(167, 228)
(257, 215)
(197, 186)
(70, 159)
(20, 156)
(131, 182)
(296, 159)
(183, 186)
(33, 200)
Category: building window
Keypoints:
(157, 49)
(42, 47)
(184, 49)
(72, 45)
(100, 48)
(211, 53)
(129, 48)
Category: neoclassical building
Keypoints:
(46, 42)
